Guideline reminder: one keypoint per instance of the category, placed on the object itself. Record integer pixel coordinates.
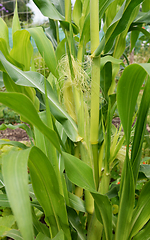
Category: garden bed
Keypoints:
(14, 135)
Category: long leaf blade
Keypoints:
(28, 111)
(81, 174)
(46, 188)
(45, 48)
(34, 79)
(16, 178)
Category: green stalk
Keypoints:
(95, 86)
(68, 10)
(57, 32)
(95, 227)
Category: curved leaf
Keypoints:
(48, 9)
(15, 24)
(76, 223)
(28, 111)
(15, 175)
(4, 200)
(4, 50)
(59, 236)
(4, 32)
(127, 92)
(13, 143)
(45, 48)
(118, 25)
(46, 188)
(81, 174)
(142, 17)
(22, 48)
(127, 199)
(15, 234)
(146, 5)
(140, 130)
(103, 5)
(141, 213)
(36, 80)
(144, 233)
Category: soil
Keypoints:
(14, 135)
(21, 135)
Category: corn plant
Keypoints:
(66, 172)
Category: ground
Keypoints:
(21, 135)
(14, 135)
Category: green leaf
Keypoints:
(118, 25)
(111, 59)
(146, 6)
(140, 29)
(41, 236)
(78, 172)
(46, 146)
(60, 50)
(145, 168)
(28, 111)
(13, 143)
(59, 236)
(4, 32)
(142, 17)
(103, 5)
(45, 48)
(120, 22)
(38, 226)
(134, 37)
(103, 211)
(106, 78)
(81, 174)
(11, 86)
(4, 201)
(76, 203)
(144, 233)
(15, 234)
(76, 223)
(7, 221)
(15, 175)
(121, 39)
(51, 33)
(15, 24)
(46, 188)
(34, 79)
(77, 11)
(85, 35)
(22, 48)
(48, 10)
(140, 130)
(3, 229)
(127, 92)
(141, 213)
(127, 198)
(4, 50)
